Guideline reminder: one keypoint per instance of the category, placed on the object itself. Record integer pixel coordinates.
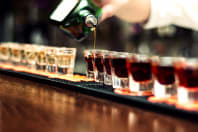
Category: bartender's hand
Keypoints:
(128, 10)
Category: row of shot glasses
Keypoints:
(144, 75)
(58, 60)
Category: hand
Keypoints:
(128, 10)
(109, 7)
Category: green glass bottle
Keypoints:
(76, 17)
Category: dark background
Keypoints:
(26, 21)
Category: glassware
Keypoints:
(107, 68)
(76, 17)
(15, 54)
(88, 56)
(30, 56)
(140, 73)
(66, 60)
(41, 58)
(187, 77)
(4, 52)
(119, 70)
(98, 65)
(164, 73)
(51, 59)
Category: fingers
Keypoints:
(107, 11)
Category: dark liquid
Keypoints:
(89, 60)
(119, 65)
(107, 66)
(98, 64)
(188, 77)
(164, 74)
(141, 71)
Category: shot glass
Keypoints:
(98, 65)
(187, 76)
(4, 52)
(107, 68)
(23, 56)
(41, 58)
(30, 56)
(66, 60)
(15, 57)
(88, 56)
(140, 73)
(119, 71)
(51, 59)
(164, 73)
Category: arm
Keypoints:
(157, 13)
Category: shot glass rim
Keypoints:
(116, 54)
(71, 51)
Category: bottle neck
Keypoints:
(89, 19)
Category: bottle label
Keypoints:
(63, 10)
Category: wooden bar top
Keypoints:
(29, 106)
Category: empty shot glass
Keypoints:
(4, 52)
(119, 70)
(66, 60)
(98, 65)
(88, 56)
(15, 57)
(107, 68)
(41, 58)
(164, 74)
(51, 59)
(187, 75)
(140, 74)
(30, 56)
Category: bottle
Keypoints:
(76, 17)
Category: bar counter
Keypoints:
(27, 105)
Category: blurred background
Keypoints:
(26, 21)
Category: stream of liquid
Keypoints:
(94, 37)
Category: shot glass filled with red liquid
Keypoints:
(119, 70)
(88, 56)
(164, 74)
(140, 73)
(187, 75)
(98, 65)
(107, 68)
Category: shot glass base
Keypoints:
(120, 83)
(107, 79)
(40, 67)
(141, 87)
(129, 93)
(65, 70)
(90, 75)
(164, 91)
(51, 69)
(186, 95)
(99, 76)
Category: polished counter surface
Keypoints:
(29, 106)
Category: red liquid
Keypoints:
(119, 65)
(89, 62)
(107, 66)
(98, 64)
(141, 71)
(164, 74)
(188, 77)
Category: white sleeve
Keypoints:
(179, 12)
